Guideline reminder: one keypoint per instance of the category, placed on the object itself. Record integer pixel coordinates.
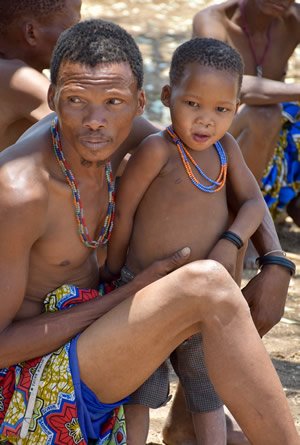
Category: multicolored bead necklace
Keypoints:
(186, 158)
(79, 214)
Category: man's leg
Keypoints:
(120, 350)
(256, 128)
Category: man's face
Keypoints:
(274, 8)
(51, 29)
(95, 107)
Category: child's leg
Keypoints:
(202, 400)
(210, 427)
(153, 393)
(137, 424)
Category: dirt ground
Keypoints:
(159, 27)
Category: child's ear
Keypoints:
(166, 95)
(238, 103)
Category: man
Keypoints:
(28, 33)
(104, 348)
(266, 33)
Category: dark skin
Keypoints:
(257, 125)
(25, 51)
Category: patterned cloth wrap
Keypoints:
(37, 399)
(281, 182)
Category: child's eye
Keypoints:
(222, 109)
(190, 103)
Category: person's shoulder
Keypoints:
(211, 21)
(24, 175)
(229, 143)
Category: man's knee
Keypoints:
(265, 120)
(211, 286)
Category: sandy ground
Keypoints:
(159, 27)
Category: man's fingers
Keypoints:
(178, 259)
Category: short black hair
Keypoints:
(207, 52)
(97, 41)
(10, 10)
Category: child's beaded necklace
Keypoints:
(82, 228)
(186, 158)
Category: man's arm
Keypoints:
(28, 93)
(262, 91)
(266, 293)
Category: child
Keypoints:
(173, 194)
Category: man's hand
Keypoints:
(162, 267)
(266, 295)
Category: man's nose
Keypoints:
(95, 118)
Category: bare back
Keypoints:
(23, 92)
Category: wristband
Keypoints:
(232, 237)
(275, 251)
(262, 261)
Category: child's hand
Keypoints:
(105, 276)
(225, 253)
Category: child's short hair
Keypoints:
(97, 41)
(207, 52)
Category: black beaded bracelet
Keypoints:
(262, 261)
(233, 237)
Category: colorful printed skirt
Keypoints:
(281, 182)
(37, 398)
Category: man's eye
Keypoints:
(75, 100)
(115, 101)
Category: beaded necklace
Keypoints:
(186, 158)
(258, 62)
(79, 214)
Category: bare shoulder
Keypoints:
(212, 21)
(23, 89)
(230, 145)
(154, 148)
(24, 180)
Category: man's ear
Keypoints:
(141, 102)
(50, 96)
(31, 31)
(166, 95)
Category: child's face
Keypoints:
(202, 105)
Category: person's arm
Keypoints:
(209, 23)
(262, 91)
(142, 168)
(23, 220)
(28, 94)
(250, 207)
(266, 293)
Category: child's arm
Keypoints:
(142, 168)
(249, 203)
(243, 186)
